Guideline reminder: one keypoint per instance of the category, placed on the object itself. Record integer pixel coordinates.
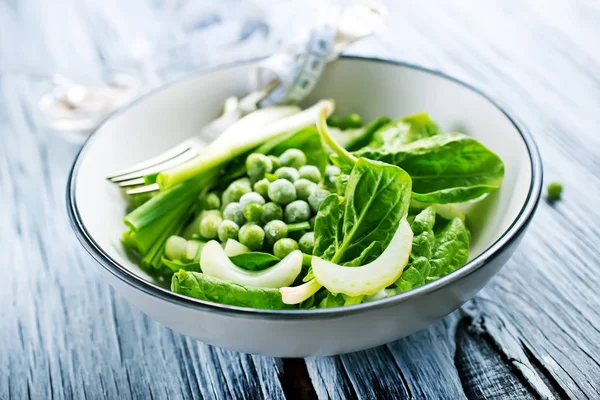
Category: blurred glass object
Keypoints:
(75, 109)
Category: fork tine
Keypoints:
(154, 161)
(132, 182)
(144, 189)
(172, 162)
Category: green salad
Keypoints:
(304, 209)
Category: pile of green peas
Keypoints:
(271, 209)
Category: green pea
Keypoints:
(209, 226)
(283, 247)
(289, 173)
(282, 191)
(251, 198)
(311, 173)
(275, 161)
(304, 188)
(209, 201)
(275, 230)
(228, 230)
(234, 212)
(175, 248)
(252, 236)
(297, 211)
(352, 121)
(315, 199)
(307, 243)
(236, 190)
(253, 212)
(293, 158)
(554, 191)
(262, 187)
(257, 165)
(334, 121)
(271, 211)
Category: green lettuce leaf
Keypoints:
(423, 237)
(451, 248)
(376, 199)
(200, 286)
(176, 265)
(405, 130)
(328, 228)
(422, 247)
(366, 135)
(254, 261)
(448, 168)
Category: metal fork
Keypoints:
(233, 110)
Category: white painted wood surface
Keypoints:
(534, 331)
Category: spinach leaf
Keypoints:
(176, 265)
(200, 286)
(405, 130)
(423, 237)
(448, 168)
(434, 255)
(411, 278)
(254, 261)
(451, 248)
(366, 136)
(376, 199)
(332, 300)
(308, 140)
(422, 248)
(327, 228)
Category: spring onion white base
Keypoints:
(297, 294)
(233, 248)
(370, 278)
(215, 263)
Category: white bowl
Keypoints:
(369, 86)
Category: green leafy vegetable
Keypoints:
(448, 168)
(203, 287)
(451, 248)
(328, 228)
(254, 261)
(178, 265)
(422, 248)
(405, 130)
(423, 239)
(376, 199)
(366, 135)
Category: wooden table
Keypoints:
(534, 331)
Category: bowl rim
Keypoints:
(512, 233)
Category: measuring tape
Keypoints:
(297, 68)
